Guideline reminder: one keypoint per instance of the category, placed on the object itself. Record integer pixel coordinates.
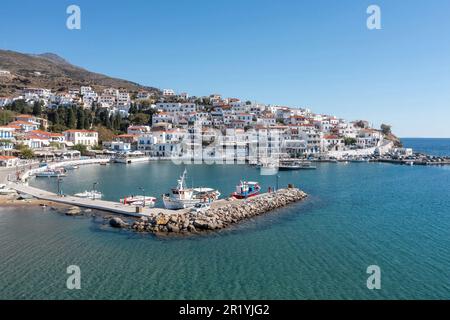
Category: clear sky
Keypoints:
(309, 53)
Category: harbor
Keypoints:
(187, 210)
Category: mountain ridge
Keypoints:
(51, 71)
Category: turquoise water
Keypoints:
(431, 146)
(359, 214)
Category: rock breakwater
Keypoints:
(219, 216)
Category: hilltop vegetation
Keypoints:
(50, 71)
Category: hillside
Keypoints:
(50, 71)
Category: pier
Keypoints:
(221, 214)
(108, 206)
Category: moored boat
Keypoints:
(89, 194)
(131, 157)
(139, 201)
(181, 197)
(4, 190)
(51, 173)
(268, 169)
(287, 165)
(246, 189)
(71, 167)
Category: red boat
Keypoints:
(246, 190)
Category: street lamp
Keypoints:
(59, 186)
(143, 194)
(93, 190)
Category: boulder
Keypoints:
(162, 220)
(117, 223)
(200, 224)
(73, 211)
(173, 227)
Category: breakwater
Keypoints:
(222, 214)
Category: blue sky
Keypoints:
(314, 53)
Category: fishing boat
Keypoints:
(139, 201)
(5, 190)
(71, 167)
(131, 157)
(89, 195)
(288, 165)
(246, 189)
(181, 197)
(268, 168)
(358, 159)
(307, 165)
(51, 173)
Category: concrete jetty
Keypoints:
(109, 206)
(221, 214)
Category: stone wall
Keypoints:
(217, 217)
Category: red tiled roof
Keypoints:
(22, 122)
(81, 130)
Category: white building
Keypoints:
(84, 137)
(4, 101)
(138, 130)
(168, 93)
(8, 161)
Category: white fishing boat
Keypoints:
(286, 165)
(206, 193)
(6, 191)
(131, 157)
(182, 197)
(51, 173)
(139, 201)
(268, 168)
(89, 194)
(71, 167)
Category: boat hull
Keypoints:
(132, 160)
(175, 204)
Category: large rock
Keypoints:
(162, 220)
(73, 211)
(173, 227)
(200, 224)
(117, 223)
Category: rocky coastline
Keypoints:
(216, 218)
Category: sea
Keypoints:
(357, 215)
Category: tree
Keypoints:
(55, 145)
(37, 108)
(80, 118)
(349, 141)
(6, 116)
(20, 106)
(71, 119)
(140, 118)
(25, 151)
(133, 109)
(361, 124)
(82, 148)
(104, 134)
(386, 129)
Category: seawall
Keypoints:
(219, 216)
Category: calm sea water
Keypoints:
(432, 146)
(396, 217)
